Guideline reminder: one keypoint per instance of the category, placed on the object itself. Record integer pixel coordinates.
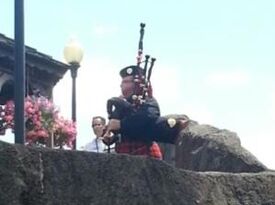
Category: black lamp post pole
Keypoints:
(19, 72)
(74, 68)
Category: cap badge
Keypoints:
(129, 71)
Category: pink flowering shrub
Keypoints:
(43, 124)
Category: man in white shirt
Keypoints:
(97, 145)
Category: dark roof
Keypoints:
(42, 69)
(53, 66)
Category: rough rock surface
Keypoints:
(206, 148)
(31, 176)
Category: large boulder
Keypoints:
(31, 176)
(206, 148)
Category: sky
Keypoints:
(215, 59)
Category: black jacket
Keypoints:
(138, 124)
(143, 123)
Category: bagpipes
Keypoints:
(142, 81)
(119, 107)
(163, 129)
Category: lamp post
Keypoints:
(73, 55)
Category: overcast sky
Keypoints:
(215, 59)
